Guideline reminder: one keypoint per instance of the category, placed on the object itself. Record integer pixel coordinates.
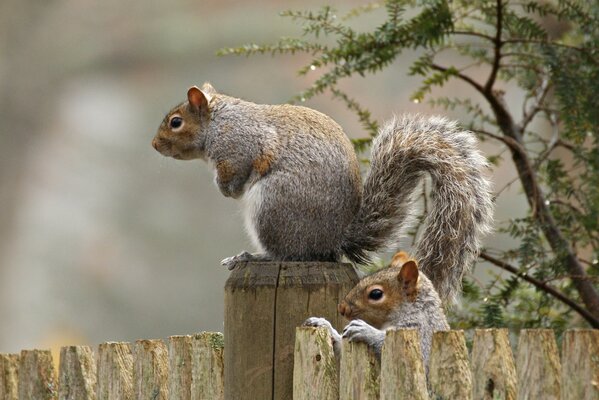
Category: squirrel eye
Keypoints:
(375, 294)
(176, 122)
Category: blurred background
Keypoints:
(103, 239)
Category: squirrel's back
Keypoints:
(311, 189)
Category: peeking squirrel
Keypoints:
(398, 296)
(298, 177)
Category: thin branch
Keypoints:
(594, 322)
(497, 49)
(508, 141)
(507, 185)
(471, 33)
(540, 98)
(463, 77)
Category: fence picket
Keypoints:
(179, 360)
(538, 366)
(493, 370)
(150, 373)
(9, 376)
(449, 366)
(207, 381)
(402, 369)
(315, 368)
(580, 364)
(37, 378)
(77, 374)
(359, 372)
(191, 368)
(115, 371)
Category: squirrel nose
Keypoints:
(344, 309)
(155, 144)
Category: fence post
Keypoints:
(115, 371)
(315, 374)
(449, 366)
(150, 374)
(207, 368)
(538, 365)
(402, 369)
(580, 364)
(493, 365)
(37, 378)
(264, 303)
(77, 374)
(9, 376)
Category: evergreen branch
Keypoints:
(370, 125)
(590, 318)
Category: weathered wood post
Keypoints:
(264, 303)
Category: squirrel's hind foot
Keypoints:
(230, 262)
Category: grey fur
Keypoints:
(311, 191)
(298, 177)
(461, 210)
(424, 313)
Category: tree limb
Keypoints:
(590, 318)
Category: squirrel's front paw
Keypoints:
(335, 336)
(359, 331)
(317, 322)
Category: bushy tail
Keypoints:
(461, 211)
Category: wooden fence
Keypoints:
(191, 367)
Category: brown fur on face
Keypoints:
(398, 283)
(185, 142)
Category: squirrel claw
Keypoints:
(360, 331)
(230, 262)
(335, 337)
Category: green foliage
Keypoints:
(550, 51)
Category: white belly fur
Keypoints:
(251, 201)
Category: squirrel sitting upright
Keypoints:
(298, 177)
(398, 296)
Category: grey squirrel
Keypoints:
(394, 297)
(298, 177)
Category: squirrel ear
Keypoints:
(399, 259)
(197, 98)
(408, 277)
(208, 89)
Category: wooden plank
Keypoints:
(77, 373)
(538, 366)
(37, 378)
(115, 371)
(250, 294)
(150, 372)
(179, 359)
(359, 372)
(9, 376)
(402, 369)
(493, 370)
(580, 364)
(306, 289)
(315, 368)
(449, 366)
(208, 371)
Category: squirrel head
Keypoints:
(181, 133)
(376, 296)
